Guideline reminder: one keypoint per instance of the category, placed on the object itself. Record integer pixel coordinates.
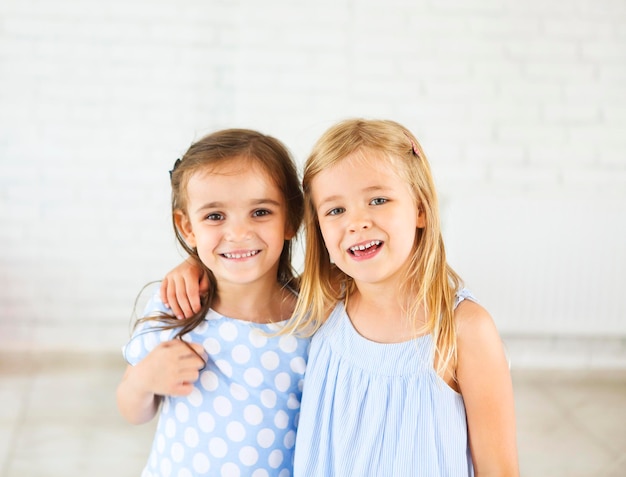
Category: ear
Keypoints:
(421, 217)
(183, 224)
(289, 234)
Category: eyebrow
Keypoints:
(254, 202)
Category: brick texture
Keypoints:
(518, 103)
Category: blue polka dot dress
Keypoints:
(241, 417)
(374, 409)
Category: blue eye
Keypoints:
(336, 211)
(378, 201)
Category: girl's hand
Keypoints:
(182, 288)
(171, 368)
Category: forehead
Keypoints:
(232, 166)
(371, 165)
(372, 159)
(233, 177)
(359, 172)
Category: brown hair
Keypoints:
(215, 149)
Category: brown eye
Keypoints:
(261, 213)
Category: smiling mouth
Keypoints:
(365, 248)
(236, 255)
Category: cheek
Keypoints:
(326, 234)
(205, 238)
(411, 237)
(204, 254)
(332, 242)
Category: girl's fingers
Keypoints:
(168, 295)
(197, 354)
(197, 347)
(172, 299)
(192, 291)
(182, 389)
(182, 298)
(204, 284)
(163, 291)
(182, 288)
(189, 376)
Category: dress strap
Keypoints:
(463, 294)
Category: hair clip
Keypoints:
(415, 151)
(413, 145)
(176, 164)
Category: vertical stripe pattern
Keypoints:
(372, 409)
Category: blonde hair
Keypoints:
(429, 281)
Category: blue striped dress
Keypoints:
(373, 409)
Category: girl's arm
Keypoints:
(485, 383)
(169, 369)
(182, 288)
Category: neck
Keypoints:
(259, 302)
(376, 312)
(378, 299)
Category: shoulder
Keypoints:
(148, 333)
(478, 339)
(473, 321)
(480, 349)
(333, 316)
(150, 298)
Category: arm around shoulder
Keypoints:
(485, 383)
(182, 288)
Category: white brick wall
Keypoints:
(516, 103)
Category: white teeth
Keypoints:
(366, 246)
(241, 255)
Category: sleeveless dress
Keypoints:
(241, 417)
(374, 409)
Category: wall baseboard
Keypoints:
(566, 352)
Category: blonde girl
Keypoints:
(226, 387)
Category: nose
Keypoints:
(359, 220)
(237, 230)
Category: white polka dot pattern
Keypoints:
(240, 418)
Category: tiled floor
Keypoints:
(58, 418)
